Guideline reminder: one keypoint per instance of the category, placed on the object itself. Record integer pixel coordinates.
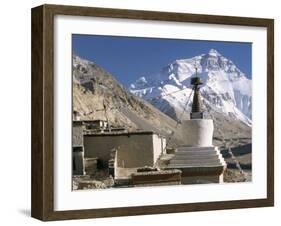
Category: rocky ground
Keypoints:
(234, 175)
(243, 155)
(100, 180)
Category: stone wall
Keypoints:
(78, 161)
(159, 146)
(77, 134)
(202, 179)
(133, 149)
(152, 178)
(90, 165)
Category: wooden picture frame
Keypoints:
(42, 203)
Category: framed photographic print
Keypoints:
(141, 112)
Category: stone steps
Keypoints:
(196, 156)
(195, 161)
(205, 165)
(201, 149)
(188, 157)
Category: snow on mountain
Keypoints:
(226, 88)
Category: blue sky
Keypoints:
(128, 58)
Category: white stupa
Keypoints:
(198, 159)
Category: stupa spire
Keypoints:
(196, 111)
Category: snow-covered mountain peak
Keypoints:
(226, 88)
(213, 52)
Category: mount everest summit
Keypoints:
(226, 91)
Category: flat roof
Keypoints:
(121, 133)
(94, 120)
(88, 120)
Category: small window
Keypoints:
(77, 149)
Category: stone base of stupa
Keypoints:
(198, 164)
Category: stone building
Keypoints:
(99, 125)
(132, 150)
